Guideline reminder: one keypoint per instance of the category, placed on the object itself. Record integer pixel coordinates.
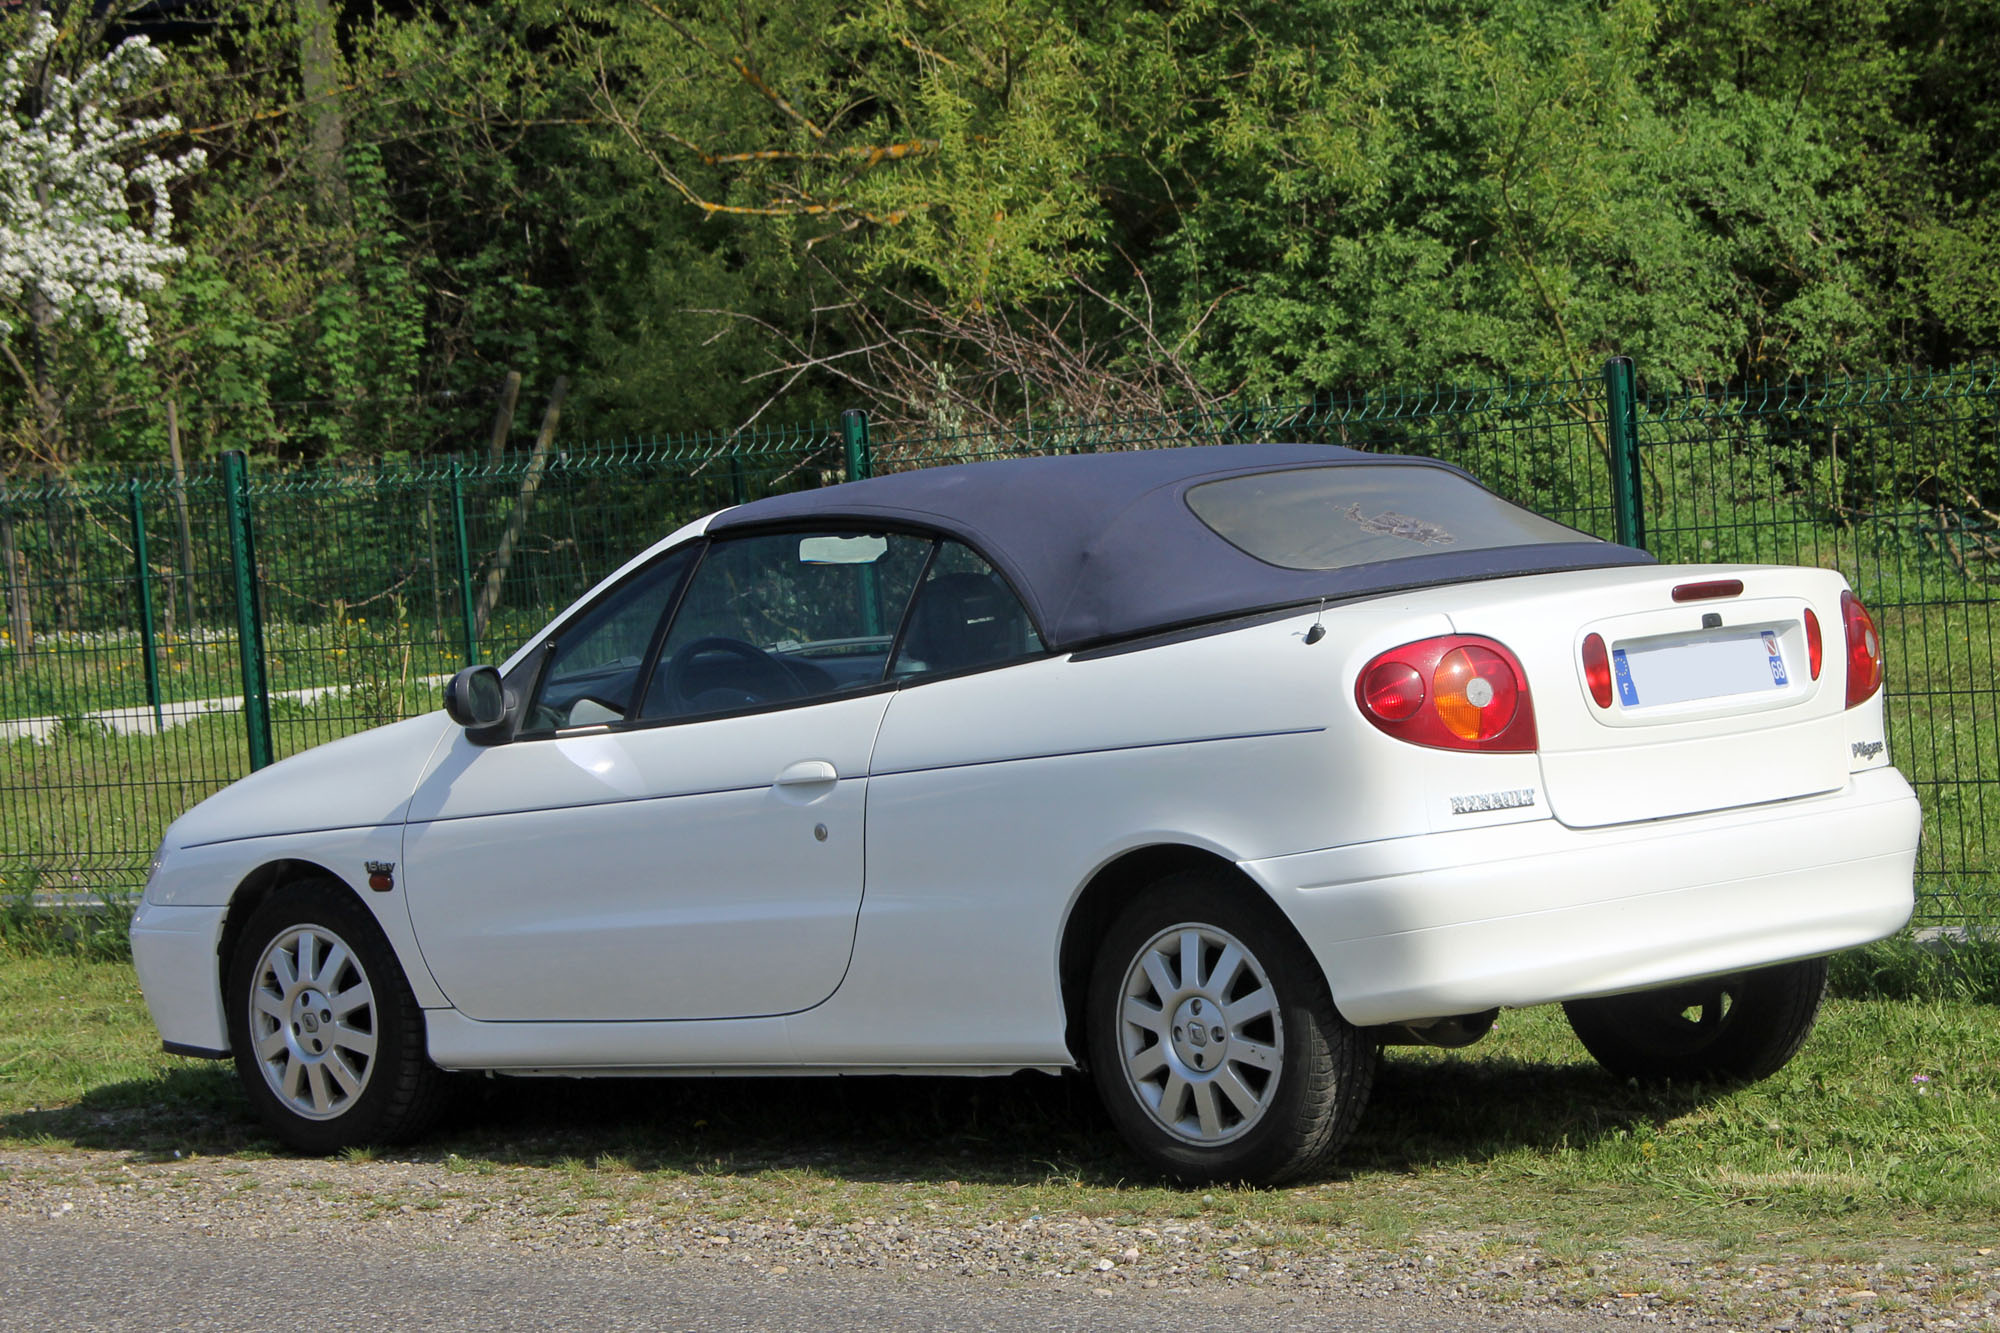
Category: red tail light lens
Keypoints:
(1457, 692)
(1864, 650)
(1815, 648)
(1597, 670)
(1392, 691)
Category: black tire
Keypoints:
(1285, 1081)
(1730, 1029)
(328, 1078)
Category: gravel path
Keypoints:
(628, 1215)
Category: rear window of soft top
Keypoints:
(1358, 514)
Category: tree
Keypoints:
(945, 180)
(69, 243)
(965, 211)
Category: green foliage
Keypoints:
(1489, 193)
(960, 150)
(318, 319)
(697, 217)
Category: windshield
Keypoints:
(1336, 517)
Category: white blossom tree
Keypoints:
(73, 241)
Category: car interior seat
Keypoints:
(963, 621)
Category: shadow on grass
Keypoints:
(1025, 1129)
(1435, 1112)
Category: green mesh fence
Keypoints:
(280, 610)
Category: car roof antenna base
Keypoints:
(1318, 630)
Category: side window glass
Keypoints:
(593, 670)
(965, 617)
(785, 617)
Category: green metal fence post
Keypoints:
(249, 612)
(149, 656)
(464, 563)
(854, 432)
(1621, 404)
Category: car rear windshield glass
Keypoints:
(1335, 517)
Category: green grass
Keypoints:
(88, 931)
(1901, 968)
(77, 1032)
(1886, 1127)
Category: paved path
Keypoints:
(73, 1274)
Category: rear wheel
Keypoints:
(1725, 1029)
(329, 1041)
(1213, 1041)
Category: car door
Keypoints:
(675, 829)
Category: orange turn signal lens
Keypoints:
(1475, 691)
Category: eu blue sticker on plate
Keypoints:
(1628, 693)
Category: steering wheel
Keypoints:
(760, 678)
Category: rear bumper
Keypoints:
(1521, 914)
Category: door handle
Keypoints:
(806, 773)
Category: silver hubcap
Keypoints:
(312, 1022)
(1200, 1030)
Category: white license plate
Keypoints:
(1675, 670)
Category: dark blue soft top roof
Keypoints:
(1104, 546)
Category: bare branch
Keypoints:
(803, 206)
(926, 368)
(864, 156)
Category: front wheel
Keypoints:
(1213, 1040)
(329, 1041)
(1729, 1029)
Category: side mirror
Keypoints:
(475, 699)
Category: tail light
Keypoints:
(1456, 692)
(1597, 670)
(1815, 644)
(1864, 650)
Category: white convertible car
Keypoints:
(1209, 770)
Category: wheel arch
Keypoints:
(307, 1088)
(257, 887)
(1116, 883)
